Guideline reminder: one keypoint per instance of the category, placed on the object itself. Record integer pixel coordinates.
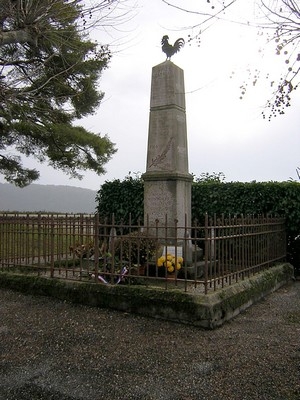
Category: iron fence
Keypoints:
(200, 257)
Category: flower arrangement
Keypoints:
(170, 262)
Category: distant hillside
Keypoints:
(49, 198)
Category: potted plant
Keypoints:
(137, 248)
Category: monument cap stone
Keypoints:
(167, 86)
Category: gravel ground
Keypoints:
(52, 350)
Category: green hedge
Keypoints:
(125, 198)
(275, 198)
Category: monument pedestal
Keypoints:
(167, 200)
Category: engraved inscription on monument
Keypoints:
(159, 201)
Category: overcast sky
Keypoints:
(225, 134)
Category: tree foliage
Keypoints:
(49, 72)
(216, 177)
(283, 27)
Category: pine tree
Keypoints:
(49, 72)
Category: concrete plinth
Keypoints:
(167, 182)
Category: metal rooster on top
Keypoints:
(168, 49)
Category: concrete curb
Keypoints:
(206, 311)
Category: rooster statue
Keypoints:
(168, 49)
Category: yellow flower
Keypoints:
(160, 261)
(170, 262)
(170, 268)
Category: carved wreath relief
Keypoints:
(160, 158)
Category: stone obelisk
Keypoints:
(167, 182)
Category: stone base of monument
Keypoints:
(197, 270)
(203, 310)
(195, 263)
